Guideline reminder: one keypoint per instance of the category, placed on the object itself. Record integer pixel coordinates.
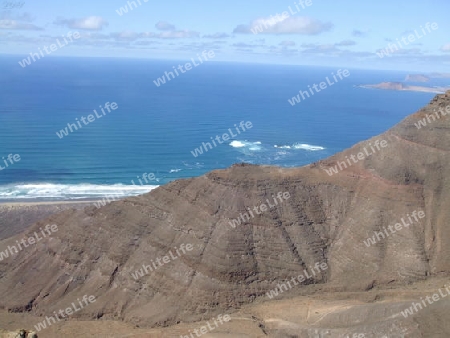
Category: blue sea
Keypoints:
(154, 130)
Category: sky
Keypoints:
(346, 33)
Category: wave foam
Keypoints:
(255, 146)
(70, 191)
(301, 146)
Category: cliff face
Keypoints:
(326, 219)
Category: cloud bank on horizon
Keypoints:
(304, 32)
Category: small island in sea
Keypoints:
(404, 87)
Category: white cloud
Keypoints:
(331, 49)
(17, 22)
(16, 25)
(446, 48)
(286, 25)
(164, 26)
(217, 36)
(184, 34)
(128, 36)
(125, 36)
(7, 15)
(93, 23)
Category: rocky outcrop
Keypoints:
(19, 334)
(325, 220)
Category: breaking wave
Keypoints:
(301, 146)
(50, 191)
(255, 146)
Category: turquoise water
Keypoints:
(155, 129)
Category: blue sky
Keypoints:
(346, 33)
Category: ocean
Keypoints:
(155, 130)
